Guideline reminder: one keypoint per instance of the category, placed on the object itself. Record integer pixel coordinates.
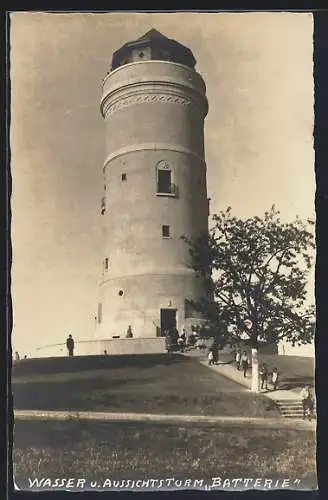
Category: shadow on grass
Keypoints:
(296, 382)
(80, 363)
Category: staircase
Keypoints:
(291, 408)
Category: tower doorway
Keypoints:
(168, 320)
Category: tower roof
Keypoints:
(150, 35)
(156, 42)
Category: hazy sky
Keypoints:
(258, 138)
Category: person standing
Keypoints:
(180, 343)
(275, 378)
(210, 357)
(237, 359)
(193, 336)
(168, 341)
(184, 337)
(215, 350)
(307, 402)
(264, 376)
(244, 363)
(70, 345)
(129, 334)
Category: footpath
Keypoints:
(288, 401)
(164, 419)
(228, 370)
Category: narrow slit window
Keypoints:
(99, 316)
(106, 264)
(123, 177)
(164, 181)
(103, 205)
(165, 231)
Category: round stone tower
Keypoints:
(154, 106)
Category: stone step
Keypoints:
(297, 413)
(293, 412)
(282, 405)
(292, 409)
(291, 404)
(298, 417)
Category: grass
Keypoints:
(294, 370)
(100, 450)
(148, 384)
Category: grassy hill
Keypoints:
(151, 383)
(294, 370)
(158, 383)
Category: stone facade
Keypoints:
(111, 346)
(154, 193)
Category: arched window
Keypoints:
(164, 178)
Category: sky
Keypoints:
(258, 142)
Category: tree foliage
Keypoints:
(256, 269)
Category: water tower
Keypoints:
(154, 180)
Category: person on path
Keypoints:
(307, 402)
(215, 350)
(70, 345)
(264, 376)
(244, 361)
(210, 357)
(275, 378)
(237, 359)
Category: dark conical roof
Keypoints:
(155, 41)
(151, 34)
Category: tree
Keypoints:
(255, 272)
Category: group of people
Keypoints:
(175, 341)
(243, 363)
(183, 340)
(266, 375)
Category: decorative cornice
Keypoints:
(151, 146)
(142, 98)
(148, 87)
